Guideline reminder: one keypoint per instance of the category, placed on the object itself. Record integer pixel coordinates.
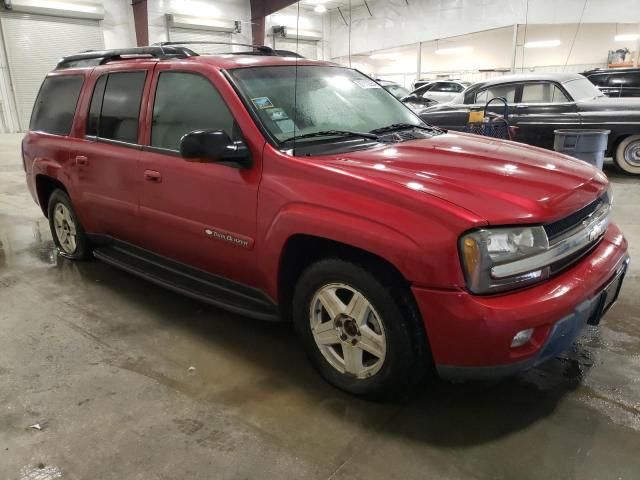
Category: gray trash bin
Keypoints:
(587, 144)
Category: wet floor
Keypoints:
(104, 376)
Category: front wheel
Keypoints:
(67, 232)
(358, 331)
(627, 155)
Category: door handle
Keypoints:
(152, 176)
(522, 107)
(82, 160)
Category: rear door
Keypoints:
(106, 157)
(200, 214)
(542, 107)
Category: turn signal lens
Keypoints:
(471, 254)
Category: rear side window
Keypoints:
(601, 80)
(625, 80)
(542, 93)
(186, 102)
(445, 87)
(118, 119)
(56, 104)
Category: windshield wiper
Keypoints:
(402, 126)
(337, 133)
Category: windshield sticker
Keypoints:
(285, 126)
(262, 102)
(366, 83)
(277, 114)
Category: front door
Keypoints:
(200, 214)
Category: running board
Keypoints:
(189, 281)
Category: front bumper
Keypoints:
(470, 336)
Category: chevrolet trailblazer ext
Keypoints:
(395, 247)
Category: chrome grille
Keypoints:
(576, 221)
(557, 229)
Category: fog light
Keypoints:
(522, 337)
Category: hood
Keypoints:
(502, 182)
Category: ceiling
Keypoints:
(332, 4)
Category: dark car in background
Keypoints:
(539, 104)
(619, 82)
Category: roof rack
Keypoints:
(256, 49)
(93, 58)
(260, 49)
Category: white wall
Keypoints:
(118, 27)
(225, 9)
(591, 46)
(395, 23)
(309, 20)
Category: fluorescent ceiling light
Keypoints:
(542, 44)
(320, 9)
(383, 56)
(71, 8)
(626, 37)
(454, 50)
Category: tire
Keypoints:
(627, 155)
(66, 229)
(384, 325)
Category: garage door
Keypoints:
(35, 43)
(194, 35)
(306, 48)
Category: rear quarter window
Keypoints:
(55, 106)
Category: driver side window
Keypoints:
(185, 102)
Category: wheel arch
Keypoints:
(45, 186)
(615, 142)
(302, 250)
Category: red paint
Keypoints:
(407, 203)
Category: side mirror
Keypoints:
(214, 146)
(410, 98)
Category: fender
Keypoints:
(46, 154)
(379, 239)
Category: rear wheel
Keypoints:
(67, 232)
(627, 156)
(358, 331)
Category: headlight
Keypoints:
(482, 250)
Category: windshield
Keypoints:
(397, 91)
(582, 89)
(328, 99)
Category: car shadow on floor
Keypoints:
(480, 411)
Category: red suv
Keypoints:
(285, 188)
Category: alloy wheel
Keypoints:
(347, 330)
(65, 229)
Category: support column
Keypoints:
(419, 64)
(514, 48)
(257, 30)
(259, 10)
(141, 21)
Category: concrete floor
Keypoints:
(100, 360)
